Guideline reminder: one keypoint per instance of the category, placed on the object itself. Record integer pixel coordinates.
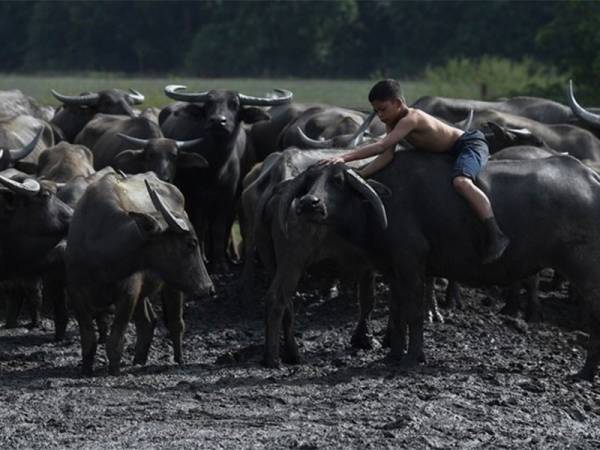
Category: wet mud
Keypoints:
(489, 381)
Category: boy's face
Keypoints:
(389, 111)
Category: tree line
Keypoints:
(338, 38)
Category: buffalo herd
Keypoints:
(107, 210)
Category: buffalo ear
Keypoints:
(129, 161)
(496, 129)
(252, 114)
(146, 224)
(189, 160)
(382, 190)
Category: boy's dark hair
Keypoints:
(385, 90)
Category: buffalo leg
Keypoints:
(591, 302)
(81, 306)
(14, 302)
(366, 292)
(32, 291)
(172, 300)
(512, 294)
(534, 307)
(282, 288)
(407, 311)
(126, 295)
(54, 293)
(145, 322)
(433, 312)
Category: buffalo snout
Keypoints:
(310, 204)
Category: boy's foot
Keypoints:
(497, 241)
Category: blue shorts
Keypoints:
(472, 153)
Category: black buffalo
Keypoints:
(433, 231)
(212, 193)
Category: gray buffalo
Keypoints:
(76, 111)
(129, 235)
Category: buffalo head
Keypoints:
(32, 221)
(332, 195)
(221, 112)
(160, 155)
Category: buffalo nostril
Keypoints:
(309, 202)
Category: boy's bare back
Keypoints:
(428, 133)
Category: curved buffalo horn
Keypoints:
(579, 111)
(283, 96)
(185, 145)
(467, 126)
(293, 188)
(135, 97)
(89, 99)
(313, 143)
(28, 187)
(133, 140)
(369, 193)
(358, 134)
(171, 91)
(523, 132)
(176, 224)
(20, 153)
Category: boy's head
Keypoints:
(387, 101)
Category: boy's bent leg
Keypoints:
(479, 202)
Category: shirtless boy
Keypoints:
(424, 131)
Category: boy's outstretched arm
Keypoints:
(378, 163)
(402, 128)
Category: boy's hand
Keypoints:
(331, 161)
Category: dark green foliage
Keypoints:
(337, 38)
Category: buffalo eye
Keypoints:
(192, 244)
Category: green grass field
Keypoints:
(349, 93)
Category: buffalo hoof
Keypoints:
(87, 371)
(533, 317)
(140, 361)
(292, 358)
(583, 375)
(33, 325)
(510, 310)
(411, 361)
(270, 362)
(114, 371)
(361, 341)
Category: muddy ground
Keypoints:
(489, 381)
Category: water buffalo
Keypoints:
(128, 236)
(77, 111)
(432, 231)
(159, 155)
(534, 108)
(64, 162)
(27, 134)
(15, 103)
(571, 139)
(212, 193)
